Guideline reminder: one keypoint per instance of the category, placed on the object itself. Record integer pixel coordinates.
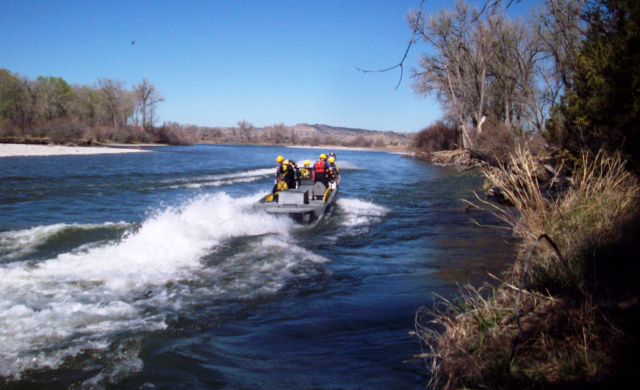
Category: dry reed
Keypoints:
(559, 334)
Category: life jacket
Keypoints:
(305, 173)
(281, 186)
(286, 169)
(333, 170)
(319, 167)
(286, 166)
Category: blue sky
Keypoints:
(220, 62)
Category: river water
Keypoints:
(154, 270)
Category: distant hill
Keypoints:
(347, 135)
(306, 130)
(305, 134)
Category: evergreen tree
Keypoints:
(602, 107)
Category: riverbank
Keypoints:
(565, 315)
(17, 150)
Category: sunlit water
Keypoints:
(155, 270)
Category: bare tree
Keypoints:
(514, 94)
(53, 97)
(482, 64)
(85, 104)
(457, 68)
(127, 106)
(29, 101)
(277, 133)
(111, 93)
(529, 55)
(245, 131)
(147, 98)
(561, 31)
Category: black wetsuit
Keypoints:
(288, 172)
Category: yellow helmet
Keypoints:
(307, 162)
(323, 156)
(331, 160)
(279, 159)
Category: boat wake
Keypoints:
(21, 244)
(220, 180)
(73, 305)
(358, 216)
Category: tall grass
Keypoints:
(544, 323)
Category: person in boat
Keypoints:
(286, 172)
(331, 154)
(280, 186)
(333, 169)
(320, 170)
(306, 171)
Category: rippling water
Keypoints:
(154, 270)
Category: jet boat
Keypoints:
(307, 202)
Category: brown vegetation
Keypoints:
(481, 65)
(439, 136)
(49, 110)
(493, 146)
(565, 312)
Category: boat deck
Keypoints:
(307, 202)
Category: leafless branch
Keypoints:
(406, 53)
(490, 4)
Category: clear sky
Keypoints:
(219, 62)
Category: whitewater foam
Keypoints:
(55, 308)
(358, 215)
(18, 243)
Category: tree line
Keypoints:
(48, 109)
(564, 76)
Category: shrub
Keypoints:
(497, 140)
(435, 138)
(174, 134)
(103, 133)
(8, 130)
(67, 131)
(360, 141)
(380, 142)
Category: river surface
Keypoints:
(154, 270)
